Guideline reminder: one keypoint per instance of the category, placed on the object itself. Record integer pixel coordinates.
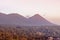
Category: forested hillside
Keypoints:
(14, 32)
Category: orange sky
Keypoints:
(50, 9)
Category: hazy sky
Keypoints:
(50, 9)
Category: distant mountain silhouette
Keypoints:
(17, 19)
(39, 20)
(11, 19)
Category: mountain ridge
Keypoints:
(17, 19)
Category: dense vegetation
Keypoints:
(13, 32)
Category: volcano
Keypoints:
(16, 19)
(38, 20)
